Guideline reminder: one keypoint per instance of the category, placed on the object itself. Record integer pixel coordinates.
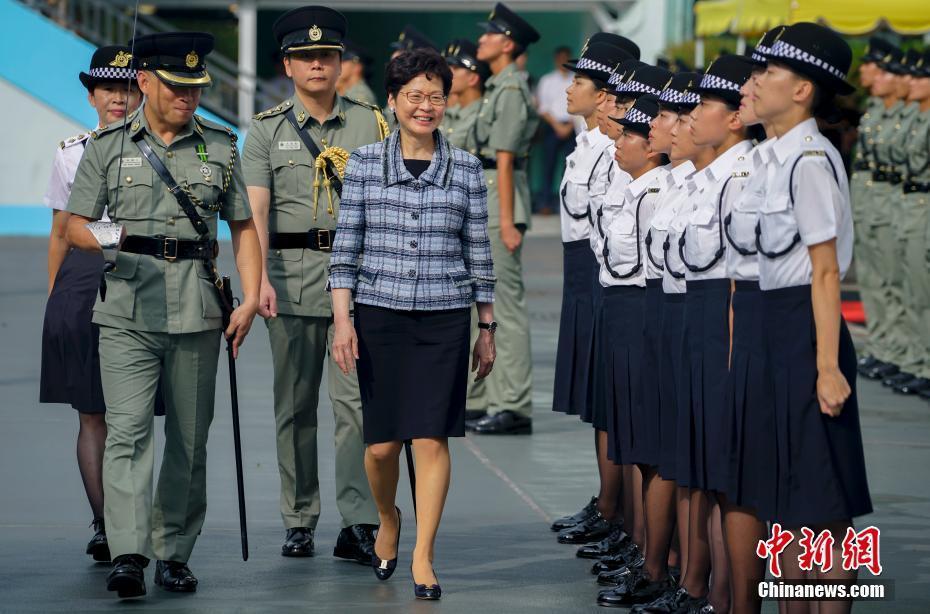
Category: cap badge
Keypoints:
(192, 59)
(668, 84)
(315, 34)
(121, 60)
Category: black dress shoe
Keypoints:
(175, 577)
(384, 569)
(608, 546)
(898, 378)
(866, 362)
(569, 521)
(507, 422)
(98, 547)
(356, 543)
(635, 588)
(473, 415)
(614, 576)
(426, 592)
(914, 386)
(298, 542)
(627, 554)
(882, 370)
(925, 394)
(676, 601)
(127, 577)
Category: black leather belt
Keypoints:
(490, 163)
(860, 165)
(879, 176)
(913, 186)
(171, 248)
(895, 178)
(317, 239)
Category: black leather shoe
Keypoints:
(507, 422)
(925, 394)
(98, 547)
(591, 530)
(384, 568)
(866, 362)
(614, 576)
(426, 592)
(881, 371)
(127, 577)
(175, 577)
(298, 542)
(473, 415)
(608, 546)
(914, 386)
(356, 543)
(580, 516)
(627, 554)
(898, 378)
(635, 588)
(671, 602)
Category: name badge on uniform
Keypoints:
(130, 163)
(289, 145)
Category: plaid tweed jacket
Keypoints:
(413, 244)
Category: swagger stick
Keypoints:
(234, 398)
(411, 473)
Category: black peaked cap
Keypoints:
(109, 63)
(504, 21)
(177, 58)
(815, 52)
(310, 27)
(725, 76)
(464, 52)
(410, 38)
(639, 116)
(597, 61)
(877, 49)
(765, 44)
(679, 93)
(644, 80)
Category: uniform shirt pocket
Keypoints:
(293, 173)
(121, 287)
(130, 193)
(285, 272)
(776, 219)
(703, 235)
(207, 189)
(209, 295)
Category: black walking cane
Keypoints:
(228, 301)
(411, 473)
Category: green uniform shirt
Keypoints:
(884, 132)
(362, 93)
(918, 148)
(507, 121)
(866, 131)
(898, 141)
(275, 158)
(458, 126)
(144, 293)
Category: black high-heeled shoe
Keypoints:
(384, 569)
(426, 592)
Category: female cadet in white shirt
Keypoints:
(749, 420)
(804, 238)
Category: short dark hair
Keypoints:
(409, 64)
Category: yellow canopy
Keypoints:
(851, 17)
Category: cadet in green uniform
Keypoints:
(294, 196)
(351, 82)
(506, 122)
(468, 77)
(160, 314)
(860, 184)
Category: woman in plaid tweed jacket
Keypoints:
(412, 245)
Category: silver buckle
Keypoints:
(170, 257)
(328, 246)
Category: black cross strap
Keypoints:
(720, 230)
(314, 150)
(639, 254)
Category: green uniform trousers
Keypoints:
(911, 224)
(510, 384)
(131, 365)
(867, 276)
(299, 349)
(892, 327)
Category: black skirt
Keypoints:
(750, 419)
(645, 422)
(412, 371)
(571, 392)
(701, 463)
(821, 465)
(673, 377)
(70, 371)
(596, 414)
(623, 356)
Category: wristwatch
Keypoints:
(488, 326)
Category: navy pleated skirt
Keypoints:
(750, 419)
(596, 414)
(701, 463)
(821, 465)
(623, 351)
(645, 422)
(673, 377)
(571, 393)
(70, 371)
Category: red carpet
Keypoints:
(853, 312)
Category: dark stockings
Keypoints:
(608, 499)
(743, 531)
(92, 439)
(659, 501)
(696, 577)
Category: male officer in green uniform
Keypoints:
(860, 182)
(505, 125)
(351, 82)
(159, 311)
(468, 77)
(295, 199)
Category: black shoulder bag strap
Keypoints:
(314, 150)
(189, 208)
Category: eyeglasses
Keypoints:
(417, 97)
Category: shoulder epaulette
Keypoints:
(281, 108)
(74, 140)
(814, 152)
(739, 174)
(99, 132)
(361, 103)
(652, 190)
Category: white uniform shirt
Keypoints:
(670, 201)
(64, 167)
(704, 243)
(624, 250)
(819, 210)
(600, 220)
(586, 171)
(743, 199)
